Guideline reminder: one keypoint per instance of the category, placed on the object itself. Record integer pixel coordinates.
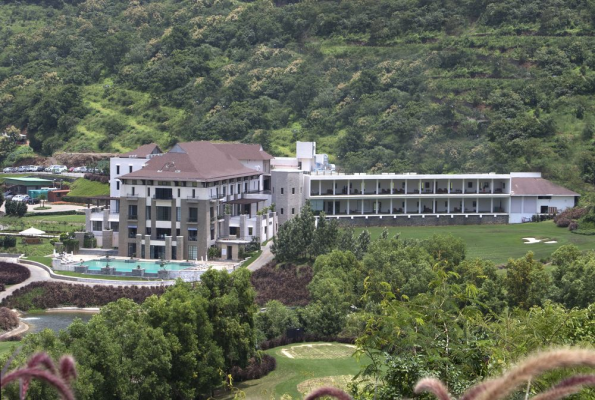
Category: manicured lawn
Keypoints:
(86, 188)
(7, 347)
(252, 258)
(499, 242)
(313, 365)
(47, 261)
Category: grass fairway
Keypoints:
(313, 365)
(7, 347)
(499, 242)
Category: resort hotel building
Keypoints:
(176, 205)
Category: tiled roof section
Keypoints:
(538, 187)
(192, 161)
(244, 151)
(143, 151)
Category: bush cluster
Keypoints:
(97, 178)
(16, 208)
(2, 287)
(287, 283)
(564, 219)
(44, 295)
(8, 241)
(11, 274)
(256, 368)
(8, 319)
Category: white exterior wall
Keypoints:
(124, 164)
(531, 205)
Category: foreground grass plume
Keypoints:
(499, 388)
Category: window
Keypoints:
(193, 193)
(147, 212)
(97, 225)
(193, 214)
(117, 170)
(148, 231)
(292, 190)
(132, 211)
(163, 183)
(133, 190)
(178, 192)
(148, 192)
(250, 231)
(178, 214)
(544, 197)
(192, 252)
(192, 234)
(117, 185)
(212, 234)
(115, 226)
(162, 233)
(281, 190)
(427, 185)
(470, 185)
(230, 189)
(239, 187)
(131, 232)
(281, 211)
(163, 194)
(130, 168)
(293, 211)
(163, 214)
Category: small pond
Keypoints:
(53, 321)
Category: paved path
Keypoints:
(54, 208)
(265, 258)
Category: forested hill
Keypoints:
(388, 85)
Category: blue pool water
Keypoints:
(128, 266)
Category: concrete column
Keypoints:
(477, 187)
(258, 228)
(320, 187)
(88, 224)
(463, 205)
(334, 187)
(334, 211)
(391, 203)
(448, 186)
(434, 205)
(139, 243)
(275, 222)
(362, 211)
(106, 219)
(405, 187)
(267, 220)
(376, 187)
(80, 237)
(492, 188)
(107, 239)
(243, 227)
(477, 205)
(180, 248)
(492, 204)
(147, 247)
(226, 220)
(348, 210)
(405, 208)
(448, 211)
(168, 248)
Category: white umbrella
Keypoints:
(31, 232)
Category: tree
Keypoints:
(43, 198)
(275, 320)
(325, 235)
(363, 242)
(526, 281)
(231, 310)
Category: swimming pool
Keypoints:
(151, 267)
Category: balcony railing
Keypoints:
(132, 195)
(192, 219)
(132, 216)
(192, 238)
(162, 197)
(131, 235)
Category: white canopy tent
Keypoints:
(32, 232)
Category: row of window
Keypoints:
(161, 233)
(292, 211)
(163, 213)
(283, 190)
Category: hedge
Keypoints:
(68, 212)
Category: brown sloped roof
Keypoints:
(538, 187)
(143, 151)
(192, 161)
(243, 151)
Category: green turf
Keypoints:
(47, 261)
(86, 188)
(499, 242)
(292, 371)
(7, 347)
(73, 219)
(252, 258)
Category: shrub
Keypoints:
(9, 241)
(573, 226)
(97, 178)
(12, 274)
(287, 283)
(256, 368)
(2, 287)
(42, 295)
(562, 222)
(571, 214)
(8, 319)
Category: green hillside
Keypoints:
(389, 85)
